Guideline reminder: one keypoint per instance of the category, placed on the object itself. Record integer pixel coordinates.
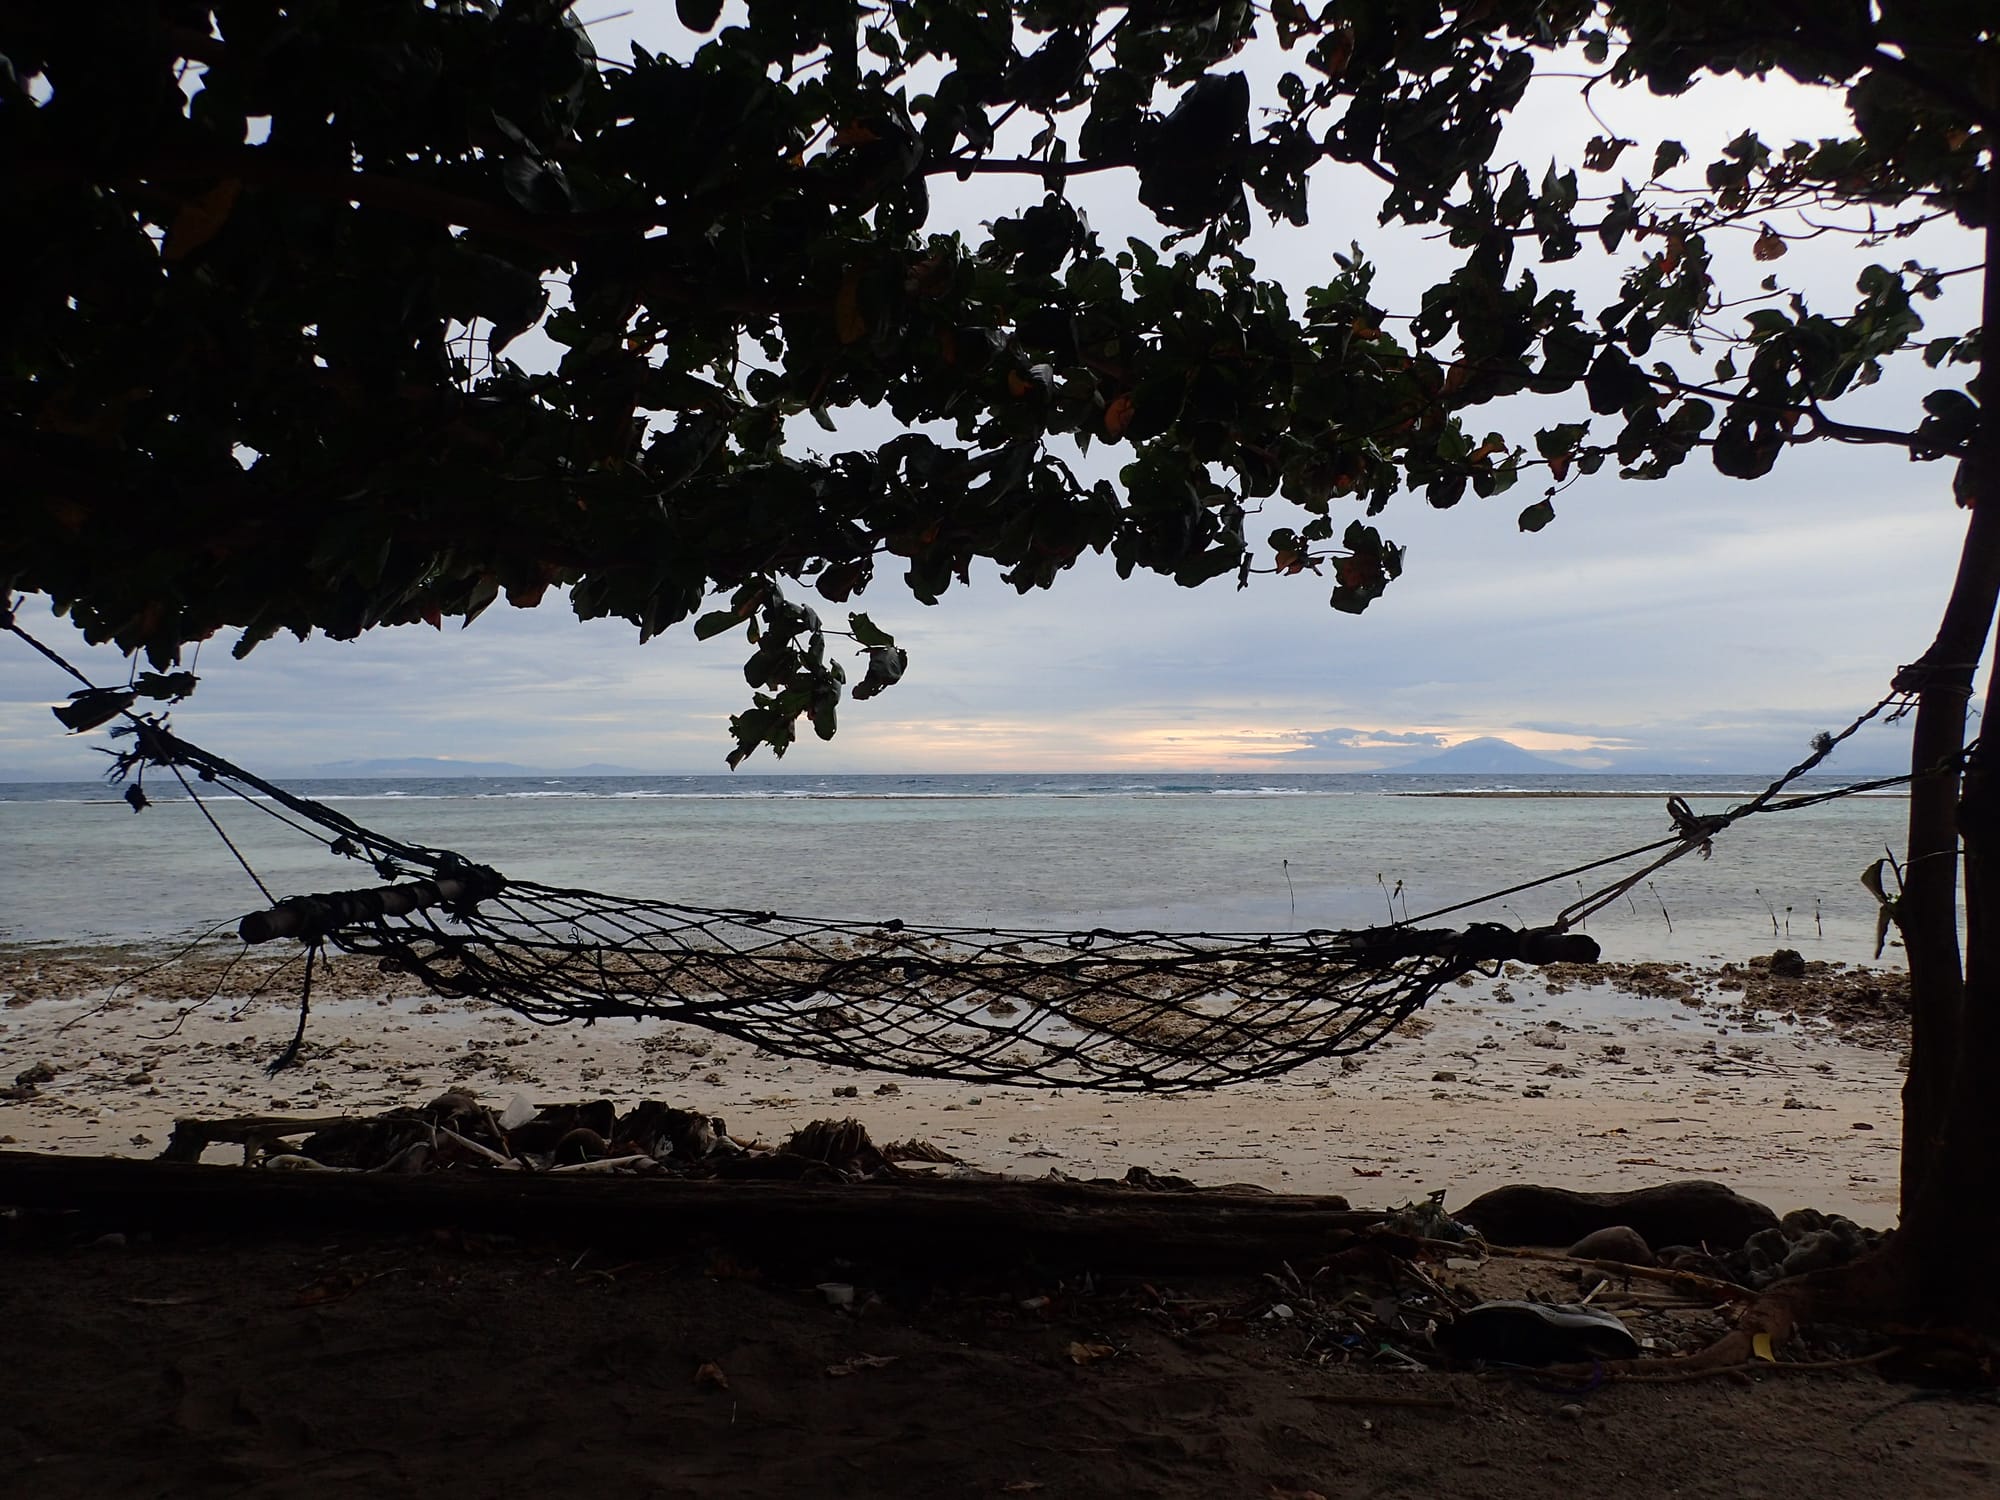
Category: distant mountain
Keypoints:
(419, 765)
(1486, 756)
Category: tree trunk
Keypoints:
(1951, 1141)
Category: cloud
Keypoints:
(1370, 739)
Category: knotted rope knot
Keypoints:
(1696, 828)
(1920, 676)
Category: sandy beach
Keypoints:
(296, 1364)
(1613, 1076)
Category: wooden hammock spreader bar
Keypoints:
(1485, 941)
(310, 918)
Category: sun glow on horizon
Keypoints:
(1193, 743)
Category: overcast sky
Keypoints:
(1699, 621)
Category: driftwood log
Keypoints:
(253, 1132)
(937, 1224)
(1693, 1212)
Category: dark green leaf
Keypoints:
(867, 632)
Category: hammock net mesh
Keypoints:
(1104, 1010)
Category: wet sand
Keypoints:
(1614, 1076)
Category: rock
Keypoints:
(1787, 963)
(1673, 1213)
(847, 1091)
(1801, 1222)
(1444, 1075)
(41, 1072)
(1619, 1242)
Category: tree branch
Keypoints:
(1822, 425)
(1025, 166)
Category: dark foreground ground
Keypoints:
(442, 1364)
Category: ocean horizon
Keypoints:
(1222, 852)
(959, 785)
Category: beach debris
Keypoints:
(837, 1293)
(456, 1131)
(1536, 1333)
(1429, 1221)
(27, 1083)
(1089, 1354)
(1149, 1181)
(916, 1150)
(842, 1144)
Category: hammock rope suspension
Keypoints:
(1115, 1011)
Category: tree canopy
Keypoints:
(258, 372)
(268, 260)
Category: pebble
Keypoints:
(1571, 1410)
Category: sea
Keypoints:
(1244, 853)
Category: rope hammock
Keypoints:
(1114, 1011)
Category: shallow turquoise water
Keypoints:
(1190, 853)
